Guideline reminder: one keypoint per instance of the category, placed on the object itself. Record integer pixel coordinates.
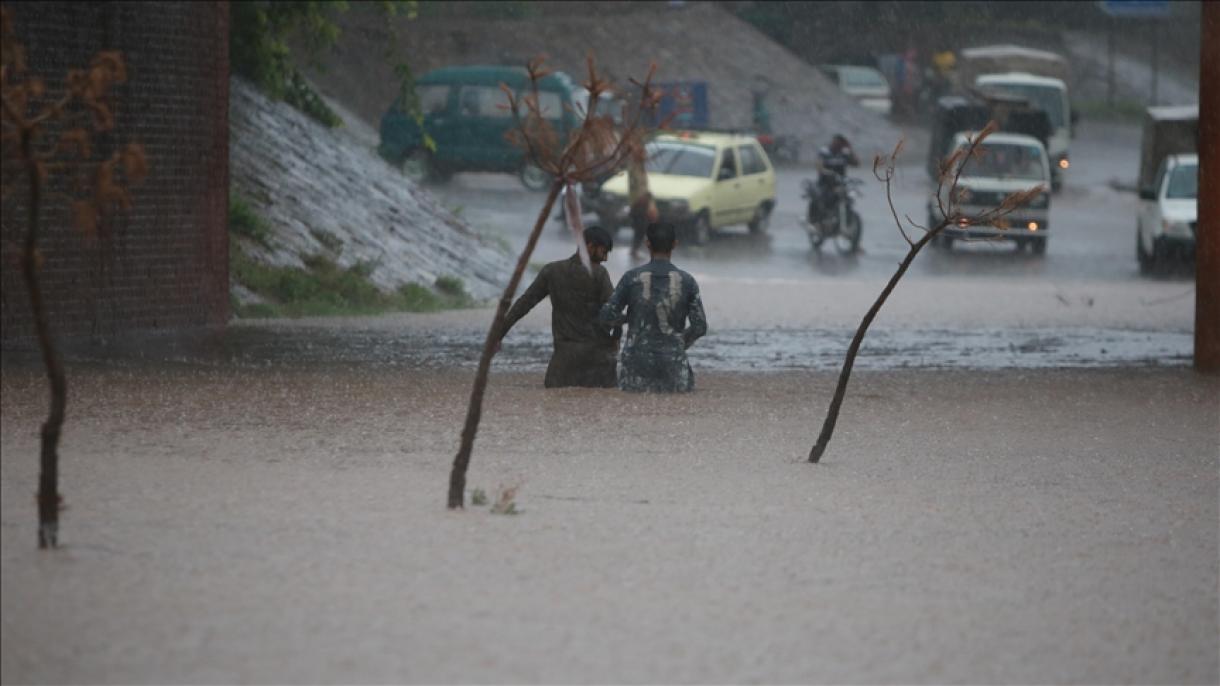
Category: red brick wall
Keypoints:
(164, 265)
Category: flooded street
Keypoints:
(236, 524)
(1018, 482)
(1022, 486)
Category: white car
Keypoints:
(867, 85)
(1004, 164)
(1168, 213)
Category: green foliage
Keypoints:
(243, 221)
(258, 47)
(307, 100)
(451, 286)
(324, 288)
(332, 242)
(478, 498)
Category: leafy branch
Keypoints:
(949, 204)
(48, 142)
(596, 146)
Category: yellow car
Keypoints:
(700, 182)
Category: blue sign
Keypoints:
(1135, 8)
(686, 101)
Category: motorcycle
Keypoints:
(840, 222)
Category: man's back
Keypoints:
(584, 350)
(659, 299)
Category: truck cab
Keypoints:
(1045, 93)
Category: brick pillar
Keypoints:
(1207, 247)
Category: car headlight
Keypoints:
(1174, 227)
(1063, 162)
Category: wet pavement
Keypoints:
(267, 346)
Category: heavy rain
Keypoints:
(853, 342)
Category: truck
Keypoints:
(1039, 76)
(956, 113)
(1168, 183)
(1167, 131)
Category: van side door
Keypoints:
(757, 185)
(726, 197)
(483, 120)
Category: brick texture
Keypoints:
(163, 266)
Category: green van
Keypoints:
(465, 112)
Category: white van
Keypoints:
(1048, 94)
(1005, 163)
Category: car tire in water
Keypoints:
(534, 178)
(1145, 260)
(700, 230)
(760, 221)
(1039, 245)
(418, 166)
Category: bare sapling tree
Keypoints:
(598, 146)
(48, 145)
(948, 199)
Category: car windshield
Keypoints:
(681, 159)
(1005, 160)
(1183, 183)
(1046, 98)
(861, 77)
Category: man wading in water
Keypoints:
(659, 298)
(584, 351)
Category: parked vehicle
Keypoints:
(701, 182)
(839, 222)
(1168, 214)
(865, 84)
(1004, 164)
(464, 114)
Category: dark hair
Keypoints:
(661, 237)
(596, 235)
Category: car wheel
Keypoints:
(534, 178)
(700, 230)
(1039, 245)
(1141, 255)
(418, 166)
(761, 220)
(1160, 257)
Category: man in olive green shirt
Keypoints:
(584, 352)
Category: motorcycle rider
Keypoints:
(833, 161)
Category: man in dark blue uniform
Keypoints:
(660, 300)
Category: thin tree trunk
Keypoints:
(832, 415)
(457, 477)
(48, 477)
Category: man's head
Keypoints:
(839, 142)
(599, 242)
(661, 238)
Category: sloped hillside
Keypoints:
(322, 193)
(696, 41)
